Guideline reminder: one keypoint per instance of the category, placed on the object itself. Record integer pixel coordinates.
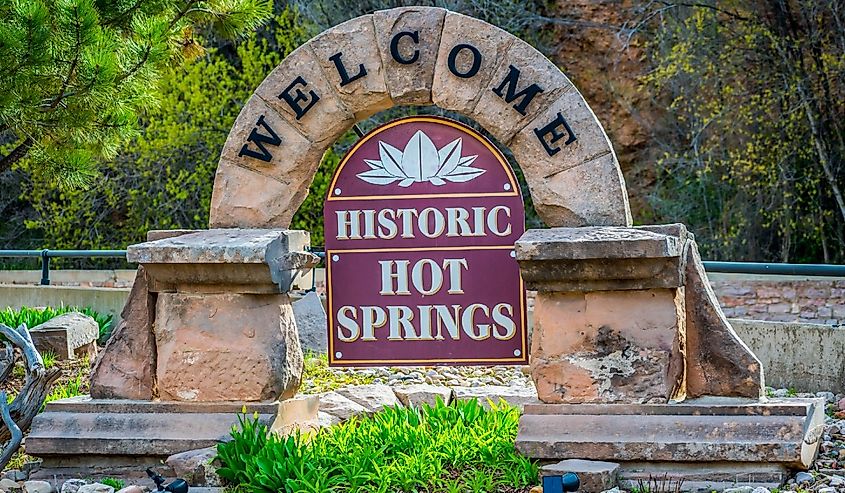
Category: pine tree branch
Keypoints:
(17, 153)
(73, 65)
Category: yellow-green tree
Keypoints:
(755, 93)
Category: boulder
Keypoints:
(37, 487)
(73, 485)
(10, 486)
(416, 395)
(311, 323)
(68, 336)
(373, 397)
(338, 406)
(196, 467)
(95, 488)
(126, 367)
(515, 396)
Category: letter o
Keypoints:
(476, 60)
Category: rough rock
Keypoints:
(37, 487)
(502, 119)
(133, 488)
(73, 485)
(739, 489)
(827, 489)
(265, 191)
(515, 396)
(326, 420)
(16, 475)
(196, 467)
(607, 346)
(338, 406)
(417, 395)
(356, 43)
(461, 94)
(95, 488)
(126, 367)
(804, 477)
(592, 194)
(718, 362)
(226, 347)
(9, 486)
(311, 323)
(288, 90)
(68, 336)
(299, 413)
(409, 83)
(595, 476)
(373, 397)
(760, 489)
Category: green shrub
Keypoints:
(37, 316)
(459, 447)
(71, 388)
(115, 483)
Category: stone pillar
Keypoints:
(636, 363)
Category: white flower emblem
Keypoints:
(420, 161)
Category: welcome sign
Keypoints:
(420, 223)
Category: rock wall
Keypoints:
(783, 300)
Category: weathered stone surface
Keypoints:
(249, 260)
(147, 429)
(70, 335)
(461, 94)
(409, 83)
(297, 413)
(73, 485)
(608, 346)
(226, 347)
(501, 118)
(604, 258)
(373, 397)
(595, 475)
(485, 394)
(311, 323)
(587, 140)
(126, 367)
(718, 362)
(196, 466)
(37, 487)
(355, 42)
(320, 116)
(419, 394)
(133, 488)
(95, 488)
(326, 420)
(270, 192)
(160, 234)
(592, 194)
(8, 485)
(684, 434)
(340, 407)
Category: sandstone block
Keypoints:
(569, 130)
(68, 336)
(126, 367)
(505, 119)
(419, 394)
(461, 94)
(608, 346)
(718, 362)
(226, 347)
(311, 321)
(243, 198)
(300, 413)
(299, 91)
(595, 475)
(160, 234)
(351, 61)
(409, 80)
(196, 467)
(341, 407)
(373, 397)
(592, 194)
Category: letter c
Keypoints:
(394, 47)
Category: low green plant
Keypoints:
(459, 447)
(115, 483)
(71, 388)
(37, 316)
(317, 377)
(49, 358)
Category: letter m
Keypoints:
(510, 95)
(260, 140)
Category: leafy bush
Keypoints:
(37, 316)
(459, 447)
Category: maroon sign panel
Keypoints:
(420, 223)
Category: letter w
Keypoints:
(260, 140)
(526, 94)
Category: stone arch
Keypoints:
(417, 56)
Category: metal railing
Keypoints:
(758, 268)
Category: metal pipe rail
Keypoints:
(824, 270)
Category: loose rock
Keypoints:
(804, 477)
(133, 489)
(95, 488)
(38, 487)
(9, 486)
(739, 489)
(373, 398)
(73, 485)
(195, 467)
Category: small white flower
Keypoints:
(420, 161)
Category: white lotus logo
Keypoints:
(420, 161)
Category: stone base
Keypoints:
(785, 433)
(121, 438)
(703, 477)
